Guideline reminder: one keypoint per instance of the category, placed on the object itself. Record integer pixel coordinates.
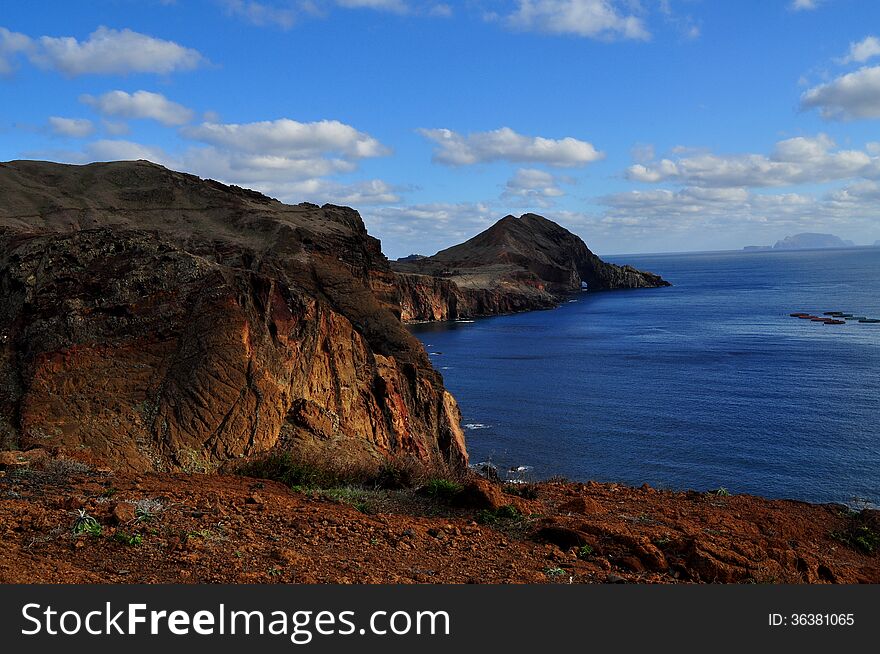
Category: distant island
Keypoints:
(805, 241)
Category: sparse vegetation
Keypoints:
(720, 492)
(554, 572)
(585, 552)
(145, 510)
(66, 467)
(507, 513)
(442, 489)
(302, 473)
(525, 491)
(86, 524)
(132, 540)
(858, 533)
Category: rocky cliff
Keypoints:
(154, 320)
(516, 265)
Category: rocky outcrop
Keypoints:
(518, 264)
(429, 298)
(154, 321)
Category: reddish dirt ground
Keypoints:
(213, 529)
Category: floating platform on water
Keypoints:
(834, 317)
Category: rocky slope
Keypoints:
(222, 529)
(517, 264)
(157, 321)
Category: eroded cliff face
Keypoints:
(518, 264)
(156, 321)
(425, 298)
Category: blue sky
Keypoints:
(641, 125)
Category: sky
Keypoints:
(640, 125)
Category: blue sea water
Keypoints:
(705, 384)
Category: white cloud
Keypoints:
(750, 218)
(110, 51)
(282, 158)
(441, 10)
(118, 150)
(849, 97)
(861, 51)
(321, 191)
(72, 127)
(290, 180)
(804, 5)
(504, 144)
(799, 160)
(115, 128)
(600, 19)
(140, 104)
(11, 44)
(531, 187)
(247, 168)
(426, 228)
(396, 6)
(261, 14)
(289, 138)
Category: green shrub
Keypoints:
(128, 539)
(858, 532)
(507, 513)
(585, 552)
(86, 524)
(525, 491)
(442, 489)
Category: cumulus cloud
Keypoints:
(441, 10)
(598, 19)
(12, 44)
(321, 191)
(247, 168)
(140, 104)
(531, 187)
(849, 97)
(261, 14)
(286, 137)
(427, 228)
(799, 160)
(756, 218)
(282, 158)
(72, 127)
(119, 150)
(504, 144)
(861, 51)
(396, 6)
(290, 180)
(804, 5)
(110, 51)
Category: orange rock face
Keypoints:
(156, 321)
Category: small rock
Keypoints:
(482, 494)
(563, 537)
(581, 505)
(614, 579)
(123, 513)
(285, 555)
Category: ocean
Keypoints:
(707, 384)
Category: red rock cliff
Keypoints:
(158, 321)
